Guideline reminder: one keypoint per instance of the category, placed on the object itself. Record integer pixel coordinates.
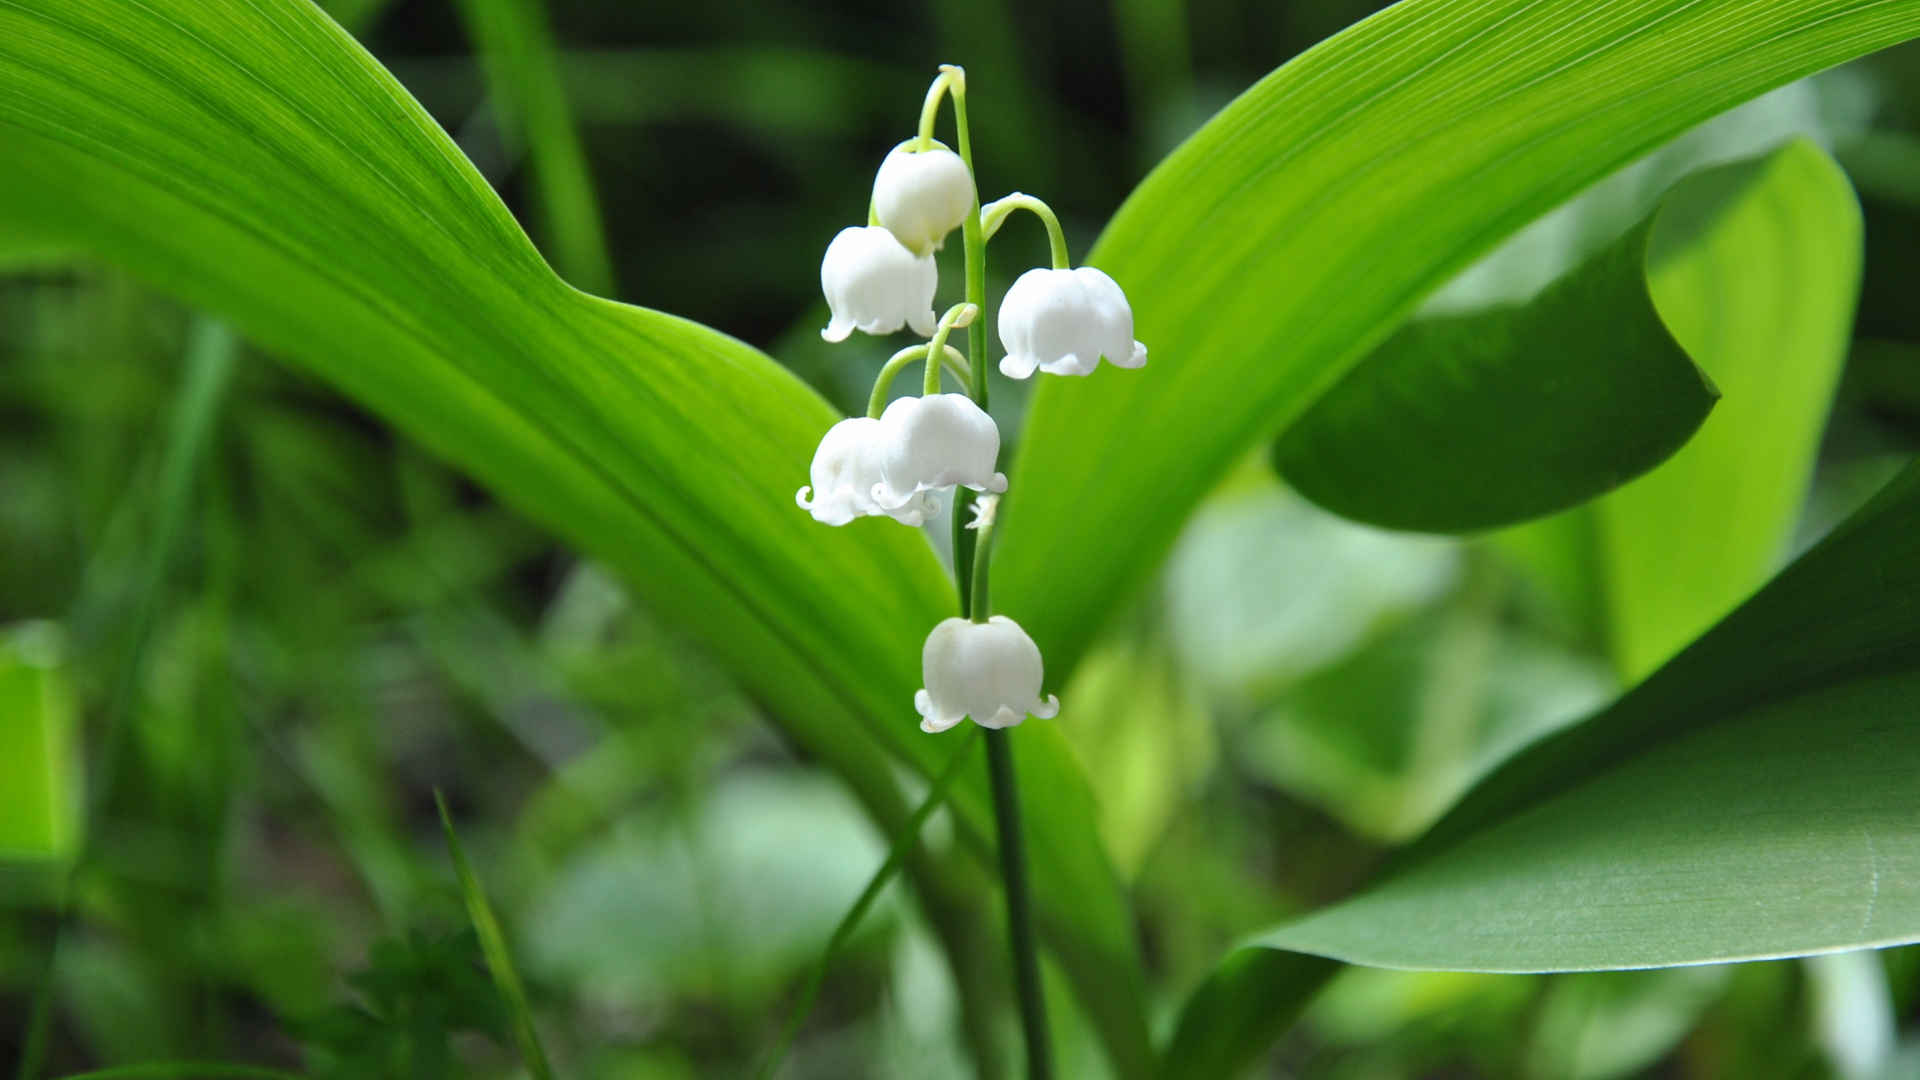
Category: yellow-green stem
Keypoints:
(996, 213)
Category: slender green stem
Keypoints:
(970, 568)
(1013, 874)
(950, 357)
(953, 79)
(957, 315)
(903, 844)
(995, 214)
(980, 608)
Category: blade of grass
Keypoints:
(522, 68)
(493, 943)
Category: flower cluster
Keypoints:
(893, 462)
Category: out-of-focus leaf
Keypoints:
(1465, 422)
(731, 903)
(39, 730)
(1751, 799)
(1239, 1009)
(1285, 240)
(1138, 726)
(248, 156)
(1265, 588)
(1598, 1026)
(1762, 296)
(1390, 736)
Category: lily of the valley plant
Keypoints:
(897, 459)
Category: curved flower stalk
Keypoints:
(875, 285)
(1060, 321)
(989, 671)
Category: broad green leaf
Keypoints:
(247, 156)
(1283, 242)
(1763, 299)
(39, 732)
(1465, 422)
(1752, 799)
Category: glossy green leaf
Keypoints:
(249, 157)
(1284, 241)
(1465, 422)
(1752, 799)
(1762, 296)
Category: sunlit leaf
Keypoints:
(250, 158)
(1752, 799)
(1287, 238)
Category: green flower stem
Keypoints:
(957, 315)
(970, 568)
(1013, 874)
(980, 609)
(952, 78)
(995, 214)
(900, 361)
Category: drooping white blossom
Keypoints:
(874, 284)
(845, 472)
(989, 671)
(921, 196)
(932, 442)
(1063, 321)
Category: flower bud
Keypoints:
(922, 196)
(874, 284)
(989, 671)
(1063, 321)
(846, 468)
(933, 442)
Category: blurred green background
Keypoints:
(256, 628)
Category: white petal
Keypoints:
(1019, 365)
(921, 196)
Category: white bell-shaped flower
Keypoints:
(990, 671)
(846, 469)
(1063, 321)
(922, 196)
(874, 284)
(934, 442)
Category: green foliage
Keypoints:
(39, 729)
(1465, 422)
(493, 945)
(414, 996)
(1747, 801)
(1286, 239)
(1762, 295)
(668, 449)
(288, 625)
